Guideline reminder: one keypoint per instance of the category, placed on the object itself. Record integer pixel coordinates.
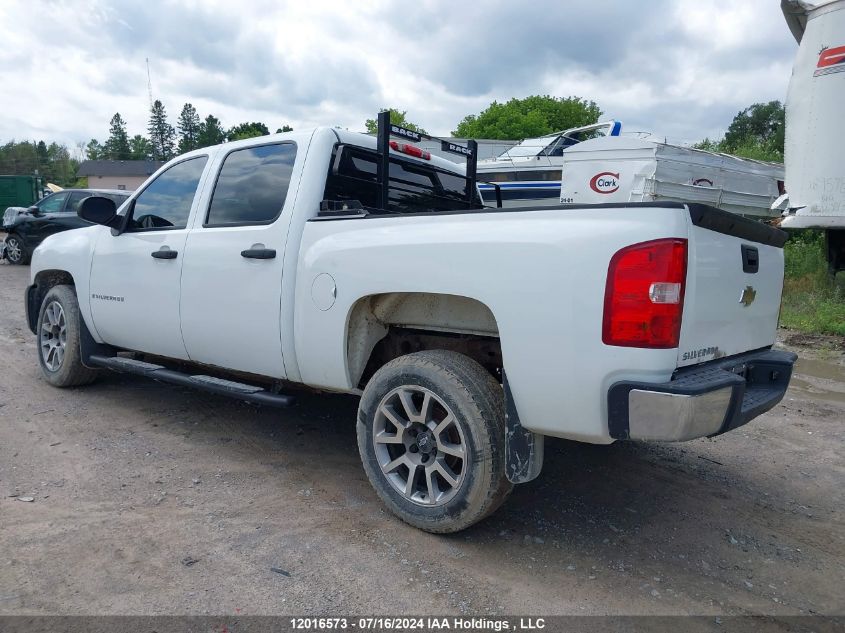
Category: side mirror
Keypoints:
(33, 210)
(99, 210)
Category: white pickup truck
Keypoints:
(469, 332)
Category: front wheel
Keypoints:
(16, 252)
(59, 330)
(431, 437)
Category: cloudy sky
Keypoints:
(678, 68)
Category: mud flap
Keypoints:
(523, 448)
(88, 347)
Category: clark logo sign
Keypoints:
(605, 182)
(831, 60)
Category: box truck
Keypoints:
(814, 151)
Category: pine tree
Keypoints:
(210, 132)
(117, 145)
(189, 129)
(162, 134)
(62, 166)
(140, 148)
(43, 160)
(41, 152)
(93, 151)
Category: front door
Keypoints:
(135, 276)
(232, 274)
(66, 218)
(48, 219)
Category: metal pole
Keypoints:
(383, 141)
(472, 165)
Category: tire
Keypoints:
(59, 329)
(16, 252)
(458, 456)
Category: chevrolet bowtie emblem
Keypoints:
(748, 296)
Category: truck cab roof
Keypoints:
(359, 139)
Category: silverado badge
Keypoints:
(748, 296)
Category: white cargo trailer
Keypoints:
(814, 151)
(631, 169)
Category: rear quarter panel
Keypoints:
(541, 273)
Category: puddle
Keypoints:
(821, 369)
(819, 380)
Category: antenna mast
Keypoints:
(149, 84)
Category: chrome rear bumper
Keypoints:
(700, 401)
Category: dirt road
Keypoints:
(153, 499)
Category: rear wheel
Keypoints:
(59, 329)
(16, 252)
(431, 438)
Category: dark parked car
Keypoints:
(52, 214)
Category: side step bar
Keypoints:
(249, 393)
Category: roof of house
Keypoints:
(119, 167)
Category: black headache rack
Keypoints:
(402, 184)
(386, 129)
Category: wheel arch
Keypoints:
(43, 281)
(384, 326)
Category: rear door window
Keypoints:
(118, 198)
(252, 186)
(76, 199)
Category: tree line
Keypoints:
(755, 132)
(164, 141)
(53, 161)
(516, 119)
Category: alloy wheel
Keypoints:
(14, 250)
(419, 445)
(52, 337)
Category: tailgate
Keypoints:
(734, 285)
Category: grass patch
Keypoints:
(812, 301)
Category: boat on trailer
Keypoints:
(530, 172)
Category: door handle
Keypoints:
(164, 253)
(259, 253)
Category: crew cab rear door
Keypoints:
(232, 276)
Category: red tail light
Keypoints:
(410, 150)
(644, 297)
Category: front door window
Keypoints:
(166, 202)
(52, 204)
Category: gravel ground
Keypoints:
(153, 499)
